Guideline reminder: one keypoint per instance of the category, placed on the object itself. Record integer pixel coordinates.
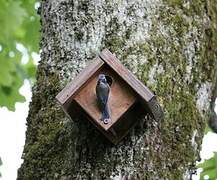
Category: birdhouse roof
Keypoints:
(105, 57)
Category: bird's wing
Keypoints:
(98, 94)
(102, 91)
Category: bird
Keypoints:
(102, 93)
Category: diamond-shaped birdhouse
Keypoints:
(128, 98)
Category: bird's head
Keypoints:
(102, 78)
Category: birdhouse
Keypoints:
(128, 98)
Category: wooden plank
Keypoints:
(130, 78)
(121, 98)
(128, 121)
(83, 115)
(79, 80)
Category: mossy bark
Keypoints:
(169, 45)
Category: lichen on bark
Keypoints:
(169, 45)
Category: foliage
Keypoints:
(209, 167)
(20, 27)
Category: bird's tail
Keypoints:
(105, 113)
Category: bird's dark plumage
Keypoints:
(102, 93)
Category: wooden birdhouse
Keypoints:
(128, 99)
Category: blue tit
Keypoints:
(102, 93)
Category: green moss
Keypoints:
(175, 3)
(183, 118)
(114, 42)
(78, 34)
(152, 150)
(178, 96)
(44, 131)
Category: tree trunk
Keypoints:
(169, 45)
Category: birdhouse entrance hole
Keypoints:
(128, 99)
(121, 97)
(109, 80)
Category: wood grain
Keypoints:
(123, 72)
(121, 98)
(128, 97)
(79, 81)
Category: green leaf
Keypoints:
(11, 79)
(11, 17)
(209, 168)
(6, 70)
(30, 27)
(20, 24)
(30, 35)
(30, 69)
(10, 95)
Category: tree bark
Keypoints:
(169, 45)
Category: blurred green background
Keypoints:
(19, 43)
(19, 40)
